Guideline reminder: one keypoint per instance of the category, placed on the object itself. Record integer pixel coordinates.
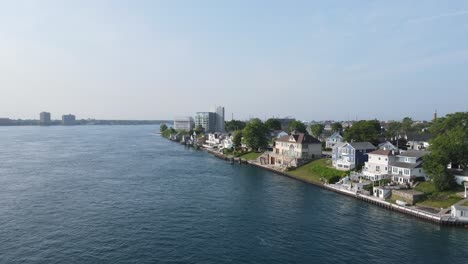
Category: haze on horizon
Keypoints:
(160, 59)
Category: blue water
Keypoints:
(121, 194)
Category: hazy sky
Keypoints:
(159, 59)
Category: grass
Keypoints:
(251, 156)
(464, 204)
(435, 198)
(317, 171)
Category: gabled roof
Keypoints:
(362, 145)
(406, 165)
(413, 153)
(336, 134)
(382, 152)
(299, 138)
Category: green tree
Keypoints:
(407, 125)
(162, 128)
(254, 134)
(237, 140)
(298, 126)
(364, 130)
(273, 124)
(337, 127)
(317, 129)
(198, 129)
(234, 125)
(449, 146)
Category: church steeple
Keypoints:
(435, 116)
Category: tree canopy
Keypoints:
(364, 130)
(254, 134)
(317, 129)
(237, 140)
(162, 128)
(337, 127)
(234, 125)
(273, 124)
(298, 126)
(450, 145)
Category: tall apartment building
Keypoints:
(184, 123)
(44, 118)
(68, 120)
(219, 110)
(207, 120)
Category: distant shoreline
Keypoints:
(22, 123)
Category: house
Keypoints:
(382, 192)
(227, 141)
(346, 156)
(408, 166)
(333, 139)
(378, 164)
(459, 212)
(278, 133)
(214, 139)
(416, 141)
(292, 150)
(387, 145)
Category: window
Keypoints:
(407, 172)
(385, 168)
(385, 159)
(379, 158)
(377, 168)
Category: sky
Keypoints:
(313, 60)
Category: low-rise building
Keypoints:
(184, 123)
(68, 120)
(408, 166)
(381, 192)
(292, 150)
(378, 164)
(333, 140)
(346, 156)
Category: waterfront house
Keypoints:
(227, 141)
(408, 166)
(214, 139)
(346, 156)
(378, 164)
(292, 150)
(459, 212)
(333, 140)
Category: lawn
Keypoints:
(437, 199)
(251, 156)
(317, 171)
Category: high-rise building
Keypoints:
(207, 120)
(68, 120)
(44, 118)
(184, 123)
(219, 110)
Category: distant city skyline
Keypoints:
(154, 60)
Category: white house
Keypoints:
(459, 212)
(227, 141)
(293, 149)
(345, 156)
(214, 139)
(408, 166)
(378, 164)
(333, 140)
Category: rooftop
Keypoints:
(300, 138)
(413, 153)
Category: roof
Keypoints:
(413, 153)
(459, 207)
(405, 165)
(418, 137)
(300, 138)
(362, 145)
(381, 152)
(336, 134)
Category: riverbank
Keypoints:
(440, 219)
